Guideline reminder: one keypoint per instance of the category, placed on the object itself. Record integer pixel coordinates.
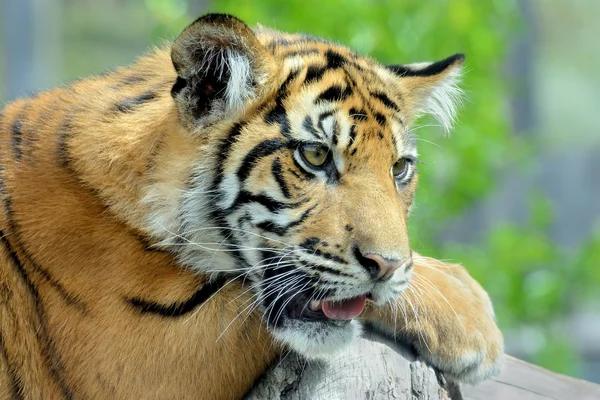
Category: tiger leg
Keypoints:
(448, 317)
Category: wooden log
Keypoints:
(377, 369)
(524, 381)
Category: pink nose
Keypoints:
(386, 266)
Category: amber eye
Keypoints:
(400, 168)
(314, 154)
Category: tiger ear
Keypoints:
(221, 66)
(431, 88)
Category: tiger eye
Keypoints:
(400, 168)
(315, 155)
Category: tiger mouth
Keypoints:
(340, 312)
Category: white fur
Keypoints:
(230, 188)
(328, 124)
(444, 99)
(239, 88)
(163, 203)
(345, 124)
(315, 339)
(441, 99)
(294, 63)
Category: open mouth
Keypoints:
(326, 310)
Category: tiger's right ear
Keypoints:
(221, 66)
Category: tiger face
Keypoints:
(307, 173)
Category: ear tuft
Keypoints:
(220, 66)
(433, 87)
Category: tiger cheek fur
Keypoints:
(165, 232)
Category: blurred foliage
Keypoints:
(531, 280)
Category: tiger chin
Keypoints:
(169, 228)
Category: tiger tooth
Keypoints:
(314, 305)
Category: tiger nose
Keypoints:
(382, 268)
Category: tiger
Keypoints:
(171, 228)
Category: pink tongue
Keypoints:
(346, 309)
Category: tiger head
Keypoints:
(306, 172)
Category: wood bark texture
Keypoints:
(376, 369)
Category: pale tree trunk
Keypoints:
(374, 369)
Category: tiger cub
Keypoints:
(169, 228)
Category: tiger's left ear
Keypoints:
(431, 88)
(221, 67)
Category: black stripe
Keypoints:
(336, 132)
(283, 229)
(64, 132)
(217, 215)
(352, 135)
(328, 256)
(308, 125)
(314, 73)
(259, 151)
(245, 197)
(278, 114)
(432, 69)
(14, 229)
(310, 243)
(322, 268)
(51, 358)
(334, 59)
(17, 137)
(358, 90)
(323, 116)
(296, 174)
(282, 91)
(133, 79)
(279, 178)
(381, 119)
(42, 121)
(224, 149)
(130, 80)
(334, 93)
(129, 104)
(177, 309)
(16, 386)
(386, 101)
(358, 115)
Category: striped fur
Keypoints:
(159, 221)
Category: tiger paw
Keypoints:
(465, 357)
(453, 326)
